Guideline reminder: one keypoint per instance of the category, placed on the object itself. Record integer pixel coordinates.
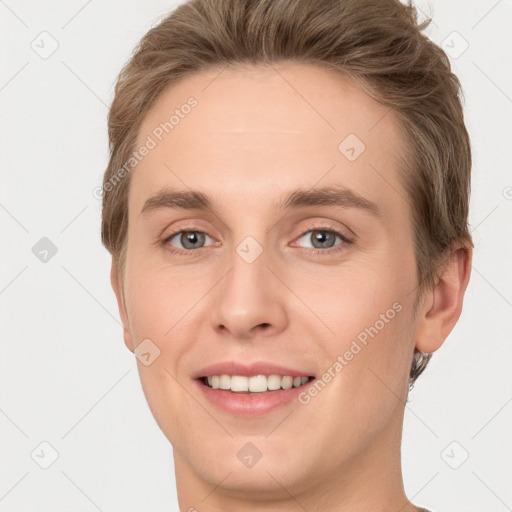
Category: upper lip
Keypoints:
(248, 369)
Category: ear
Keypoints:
(116, 286)
(442, 305)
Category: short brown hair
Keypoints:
(377, 43)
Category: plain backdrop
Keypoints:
(68, 381)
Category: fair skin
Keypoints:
(251, 140)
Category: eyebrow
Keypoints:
(301, 198)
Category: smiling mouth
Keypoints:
(254, 384)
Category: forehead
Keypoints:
(254, 127)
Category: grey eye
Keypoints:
(189, 239)
(320, 239)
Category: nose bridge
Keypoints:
(248, 295)
(245, 285)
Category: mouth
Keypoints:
(251, 389)
(254, 383)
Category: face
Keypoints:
(269, 234)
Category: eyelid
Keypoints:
(184, 229)
(319, 226)
(328, 251)
(346, 239)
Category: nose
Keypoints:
(250, 300)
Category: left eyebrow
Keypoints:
(327, 196)
(301, 198)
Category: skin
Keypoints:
(257, 133)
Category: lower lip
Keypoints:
(251, 404)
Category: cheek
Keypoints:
(370, 360)
(157, 310)
(157, 300)
(357, 301)
(370, 336)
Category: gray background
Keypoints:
(67, 378)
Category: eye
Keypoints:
(187, 240)
(320, 240)
(323, 240)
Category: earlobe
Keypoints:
(443, 303)
(116, 286)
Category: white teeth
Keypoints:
(239, 383)
(256, 383)
(287, 382)
(274, 382)
(225, 382)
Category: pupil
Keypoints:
(190, 239)
(323, 238)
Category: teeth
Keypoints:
(254, 384)
(287, 382)
(225, 382)
(239, 383)
(257, 384)
(274, 382)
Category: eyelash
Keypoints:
(322, 252)
(330, 250)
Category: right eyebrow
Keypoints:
(178, 199)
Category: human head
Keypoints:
(361, 62)
(378, 44)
